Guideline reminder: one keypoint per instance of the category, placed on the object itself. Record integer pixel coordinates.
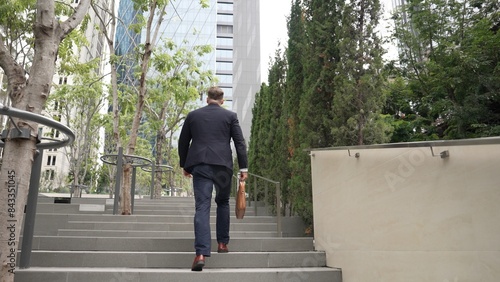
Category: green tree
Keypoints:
(276, 140)
(449, 61)
(358, 98)
(256, 141)
(80, 105)
(258, 152)
(149, 18)
(321, 56)
(293, 95)
(178, 81)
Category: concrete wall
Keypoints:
(401, 214)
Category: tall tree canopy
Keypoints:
(448, 81)
(445, 85)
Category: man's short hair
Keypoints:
(215, 93)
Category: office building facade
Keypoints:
(232, 28)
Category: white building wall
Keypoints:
(246, 64)
(56, 162)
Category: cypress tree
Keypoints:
(320, 57)
(294, 92)
(277, 139)
(358, 98)
(254, 156)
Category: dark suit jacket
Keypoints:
(206, 135)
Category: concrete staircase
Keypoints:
(82, 241)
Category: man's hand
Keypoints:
(186, 174)
(243, 176)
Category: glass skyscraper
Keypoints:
(125, 41)
(231, 27)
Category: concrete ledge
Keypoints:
(151, 226)
(176, 259)
(65, 243)
(312, 274)
(160, 234)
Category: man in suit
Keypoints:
(205, 155)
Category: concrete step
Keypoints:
(82, 241)
(158, 234)
(72, 208)
(74, 243)
(190, 212)
(161, 226)
(103, 209)
(175, 201)
(144, 218)
(103, 199)
(176, 259)
(81, 274)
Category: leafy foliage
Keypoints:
(445, 85)
(449, 71)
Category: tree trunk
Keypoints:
(125, 195)
(160, 141)
(19, 153)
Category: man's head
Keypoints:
(215, 95)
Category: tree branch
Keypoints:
(7, 63)
(96, 12)
(11, 68)
(73, 21)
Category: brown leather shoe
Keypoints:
(198, 263)
(222, 248)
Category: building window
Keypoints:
(224, 7)
(225, 79)
(49, 174)
(228, 93)
(63, 80)
(224, 18)
(224, 41)
(54, 133)
(224, 54)
(224, 66)
(225, 29)
(51, 160)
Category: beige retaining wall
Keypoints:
(402, 214)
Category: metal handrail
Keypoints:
(30, 213)
(434, 143)
(277, 203)
(54, 143)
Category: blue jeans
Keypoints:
(205, 177)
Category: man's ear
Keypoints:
(221, 102)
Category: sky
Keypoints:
(273, 29)
(273, 17)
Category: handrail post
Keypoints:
(119, 171)
(248, 190)
(266, 198)
(255, 195)
(152, 188)
(29, 221)
(132, 192)
(278, 209)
